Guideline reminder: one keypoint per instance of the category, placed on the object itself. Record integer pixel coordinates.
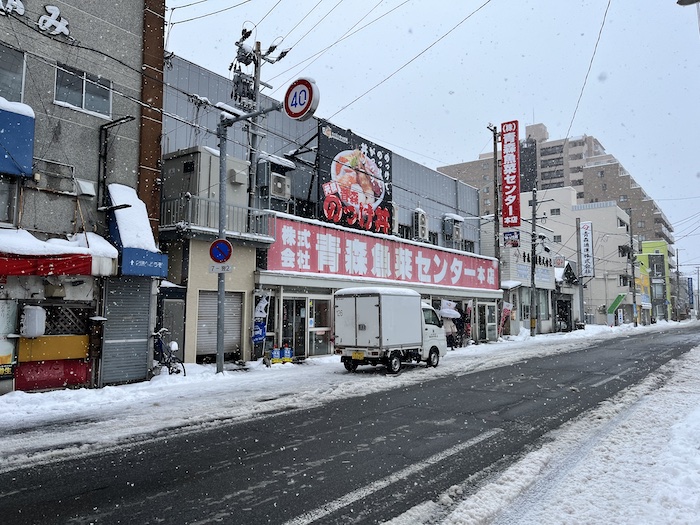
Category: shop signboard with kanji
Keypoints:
(312, 248)
(586, 236)
(355, 180)
(510, 174)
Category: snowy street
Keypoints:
(633, 459)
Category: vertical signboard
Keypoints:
(586, 234)
(355, 179)
(510, 174)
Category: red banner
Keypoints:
(312, 248)
(71, 264)
(510, 174)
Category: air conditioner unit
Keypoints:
(420, 225)
(280, 186)
(394, 219)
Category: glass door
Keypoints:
(319, 326)
(294, 325)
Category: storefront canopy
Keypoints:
(80, 254)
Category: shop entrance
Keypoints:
(294, 325)
(306, 325)
(486, 315)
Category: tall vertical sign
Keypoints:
(586, 235)
(510, 174)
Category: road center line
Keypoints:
(611, 378)
(364, 492)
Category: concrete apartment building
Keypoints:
(579, 162)
(582, 164)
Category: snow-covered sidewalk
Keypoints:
(634, 459)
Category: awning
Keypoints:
(130, 229)
(81, 254)
(274, 159)
(509, 285)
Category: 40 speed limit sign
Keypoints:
(301, 99)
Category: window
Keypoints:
(577, 182)
(552, 150)
(556, 238)
(601, 174)
(555, 211)
(623, 198)
(641, 224)
(82, 90)
(549, 163)
(604, 186)
(11, 73)
(579, 195)
(485, 189)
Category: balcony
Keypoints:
(198, 216)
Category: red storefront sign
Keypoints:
(311, 248)
(69, 264)
(510, 174)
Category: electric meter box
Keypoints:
(33, 322)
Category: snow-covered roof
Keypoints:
(508, 285)
(16, 107)
(132, 221)
(21, 242)
(280, 161)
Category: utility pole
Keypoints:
(533, 313)
(580, 271)
(633, 257)
(496, 225)
(678, 285)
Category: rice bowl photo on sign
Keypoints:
(359, 178)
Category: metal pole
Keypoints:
(496, 225)
(533, 314)
(634, 282)
(678, 285)
(222, 133)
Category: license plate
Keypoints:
(358, 356)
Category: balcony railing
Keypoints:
(189, 212)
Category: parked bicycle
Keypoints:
(164, 355)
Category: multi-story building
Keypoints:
(311, 208)
(78, 190)
(578, 162)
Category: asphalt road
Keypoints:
(358, 460)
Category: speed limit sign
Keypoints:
(301, 99)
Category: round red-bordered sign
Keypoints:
(301, 99)
(220, 250)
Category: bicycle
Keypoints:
(165, 355)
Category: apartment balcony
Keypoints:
(193, 216)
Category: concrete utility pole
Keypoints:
(497, 222)
(225, 122)
(533, 312)
(632, 257)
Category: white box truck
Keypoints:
(385, 325)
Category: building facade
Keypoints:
(78, 290)
(314, 208)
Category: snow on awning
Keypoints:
(17, 129)
(130, 228)
(274, 159)
(80, 254)
(509, 285)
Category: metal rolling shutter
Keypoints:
(207, 322)
(126, 350)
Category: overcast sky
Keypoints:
(425, 78)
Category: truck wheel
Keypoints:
(350, 366)
(433, 357)
(394, 364)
